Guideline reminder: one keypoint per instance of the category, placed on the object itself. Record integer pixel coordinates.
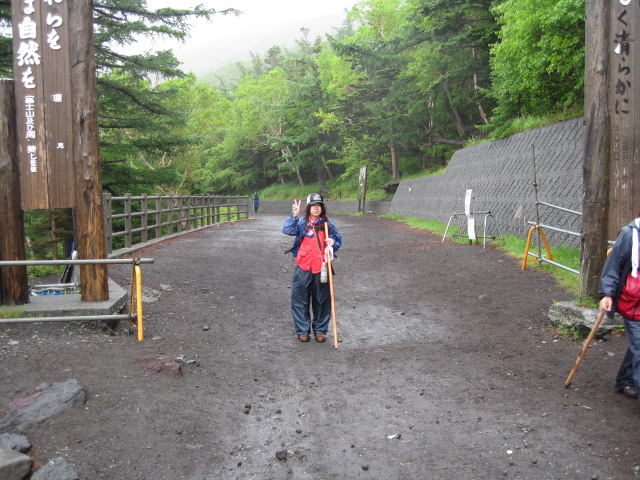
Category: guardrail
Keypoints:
(542, 239)
(139, 219)
(537, 226)
(135, 300)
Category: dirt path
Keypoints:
(446, 369)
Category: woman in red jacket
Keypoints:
(308, 288)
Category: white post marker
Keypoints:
(469, 208)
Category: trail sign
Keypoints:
(624, 100)
(42, 74)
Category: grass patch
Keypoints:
(434, 226)
(564, 330)
(39, 271)
(568, 256)
(515, 247)
(525, 123)
(7, 313)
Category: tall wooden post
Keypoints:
(624, 105)
(14, 287)
(596, 163)
(90, 228)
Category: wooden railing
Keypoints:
(143, 218)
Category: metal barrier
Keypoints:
(470, 216)
(487, 215)
(537, 227)
(135, 314)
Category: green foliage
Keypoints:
(49, 233)
(413, 82)
(586, 301)
(8, 313)
(538, 64)
(40, 271)
(338, 190)
(565, 330)
(526, 122)
(400, 86)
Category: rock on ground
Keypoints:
(56, 469)
(160, 364)
(14, 441)
(14, 465)
(45, 401)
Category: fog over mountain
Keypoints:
(229, 38)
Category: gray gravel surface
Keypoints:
(446, 369)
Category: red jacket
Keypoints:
(311, 252)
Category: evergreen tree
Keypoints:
(135, 110)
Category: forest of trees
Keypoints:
(399, 86)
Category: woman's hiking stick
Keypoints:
(333, 302)
(585, 347)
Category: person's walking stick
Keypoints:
(585, 347)
(334, 323)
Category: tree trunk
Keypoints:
(326, 167)
(14, 283)
(89, 219)
(595, 209)
(483, 114)
(320, 174)
(460, 124)
(286, 154)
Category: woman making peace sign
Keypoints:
(308, 288)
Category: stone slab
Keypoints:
(583, 318)
(71, 305)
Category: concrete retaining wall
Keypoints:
(501, 175)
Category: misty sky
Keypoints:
(264, 23)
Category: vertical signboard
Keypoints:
(625, 131)
(362, 188)
(42, 76)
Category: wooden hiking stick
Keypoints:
(333, 302)
(585, 347)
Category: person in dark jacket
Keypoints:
(256, 202)
(619, 290)
(309, 250)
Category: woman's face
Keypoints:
(315, 210)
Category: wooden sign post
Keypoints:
(57, 122)
(612, 130)
(43, 101)
(624, 100)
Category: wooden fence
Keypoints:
(144, 218)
